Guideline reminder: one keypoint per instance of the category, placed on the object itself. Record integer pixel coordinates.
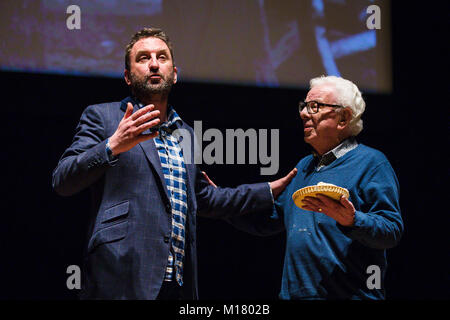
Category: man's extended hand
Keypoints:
(129, 131)
(342, 211)
(279, 185)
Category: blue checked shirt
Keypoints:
(175, 175)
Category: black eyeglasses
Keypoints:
(314, 106)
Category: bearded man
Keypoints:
(146, 193)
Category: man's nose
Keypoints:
(304, 113)
(154, 65)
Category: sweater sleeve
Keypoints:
(378, 222)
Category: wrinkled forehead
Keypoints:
(150, 44)
(323, 93)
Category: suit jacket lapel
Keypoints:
(189, 163)
(153, 157)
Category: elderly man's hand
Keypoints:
(342, 211)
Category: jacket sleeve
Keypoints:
(85, 161)
(249, 207)
(226, 202)
(378, 224)
(264, 223)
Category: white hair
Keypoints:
(346, 94)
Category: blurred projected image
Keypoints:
(257, 42)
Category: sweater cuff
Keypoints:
(360, 219)
(352, 232)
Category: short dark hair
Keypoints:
(147, 33)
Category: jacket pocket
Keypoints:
(112, 225)
(109, 234)
(116, 212)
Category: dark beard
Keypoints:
(144, 90)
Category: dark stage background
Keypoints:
(43, 233)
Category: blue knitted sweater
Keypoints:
(324, 260)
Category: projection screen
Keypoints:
(253, 42)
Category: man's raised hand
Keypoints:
(129, 131)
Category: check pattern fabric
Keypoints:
(340, 150)
(175, 175)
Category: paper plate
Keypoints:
(327, 189)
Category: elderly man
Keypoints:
(335, 249)
(146, 193)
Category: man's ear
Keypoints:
(126, 76)
(175, 75)
(345, 117)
